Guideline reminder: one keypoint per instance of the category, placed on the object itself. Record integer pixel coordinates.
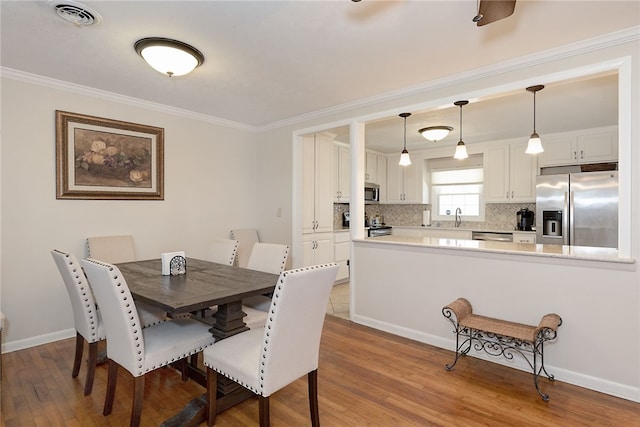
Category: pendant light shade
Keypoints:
(461, 149)
(170, 57)
(405, 160)
(535, 145)
(435, 133)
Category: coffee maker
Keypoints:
(525, 219)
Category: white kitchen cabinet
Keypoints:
(317, 248)
(341, 173)
(382, 178)
(404, 183)
(509, 174)
(593, 146)
(519, 237)
(341, 253)
(371, 168)
(317, 200)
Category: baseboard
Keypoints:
(571, 377)
(10, 346)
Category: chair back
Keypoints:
(268, 257)
(246, 238)
(111, 249)
(119, 314)
(223, 251)
(86, 316)
(294, 326)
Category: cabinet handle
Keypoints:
(506, 195)
(512, 194)
(575, 155)
(581, 154)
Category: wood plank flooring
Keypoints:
(366, 378)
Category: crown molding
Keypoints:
(25, 77)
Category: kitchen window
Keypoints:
(456, 185)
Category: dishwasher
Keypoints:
(492, 236)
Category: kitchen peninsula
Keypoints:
(400, 284)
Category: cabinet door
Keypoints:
(371, 168)
(412, 183)
(308, 184)
(395, 180)
(524, 237)
(598, 147)
(323, 200)
(382, 178)
(496, 175)
(558, 151)
(522, 174)
(344, 175)
(317, 249)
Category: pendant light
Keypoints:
(461, 149)
(405, 160)
(535, 145)
(170, 57)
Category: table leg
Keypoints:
(228, 320)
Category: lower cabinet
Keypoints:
(342, 246)
(317, 248)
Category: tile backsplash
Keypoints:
(498, 216)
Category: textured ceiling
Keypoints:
(272, 61)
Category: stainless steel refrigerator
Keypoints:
(578, 209)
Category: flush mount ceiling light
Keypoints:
(435, 133)
(535, 145)
(170, 57)
(461, 149)
(405, 160)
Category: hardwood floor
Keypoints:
(365, 378)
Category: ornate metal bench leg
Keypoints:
(539, 349)
(459, 352)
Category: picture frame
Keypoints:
(105, 159)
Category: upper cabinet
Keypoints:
(509, 174)
(317, 194)
(341, 173)
(371, 168)
(404, 183)
(571, 148)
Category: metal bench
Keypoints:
(501, 337)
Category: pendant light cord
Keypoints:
(534, 112)
(460, 122)
(405, 132)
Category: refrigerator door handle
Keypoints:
(571, 220)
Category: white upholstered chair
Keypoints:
(246, 237)
(86, 315)
(111, 249)
(223, 251)
(136, 349)
(270, 258)
(264, 360)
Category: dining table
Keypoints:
(203, 285)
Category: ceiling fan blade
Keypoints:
(494, 10)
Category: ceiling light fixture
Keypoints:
(405, 160)
(435, 133)
(535, 145)
(170, 57)
(461, 149)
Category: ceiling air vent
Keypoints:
(76, 13)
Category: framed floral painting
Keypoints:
(99, 158)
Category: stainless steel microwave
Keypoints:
(371, 193)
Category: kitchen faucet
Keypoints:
(458, 217)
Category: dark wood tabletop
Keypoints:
(205, 284)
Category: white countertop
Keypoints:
(556, 251)
(482, 230)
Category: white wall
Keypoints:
(210, 186)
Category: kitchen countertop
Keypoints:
(482, 230)
(530, 249)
